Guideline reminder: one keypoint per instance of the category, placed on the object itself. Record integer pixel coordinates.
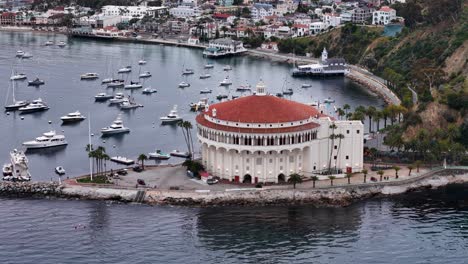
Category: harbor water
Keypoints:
(430, 226)
(64, 92)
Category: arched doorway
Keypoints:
(281, 178)
(247, 179)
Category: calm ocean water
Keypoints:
(64, 92)
(422, 227)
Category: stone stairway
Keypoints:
(140, 196)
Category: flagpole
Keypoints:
(90, 147)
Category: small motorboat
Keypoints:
(145, 74)
(116, 84)
(221, 96)
(36, 82)
(133, 85)
(225, 82)
(205, 91)
(209, 66)
(18, 76)
(49, 43)
(7, 169)
(187, 72)
(20, 53)
(159, 155)
(227, 68)
(329, 100)
(129, 103)
(306, 85)
(183, 85)
(122, 160)
(280, 95)
(289, 91)
(27, 55)
(101, 97)
(61, 44)
(244, 88)
(180, 154)
(89, 76)
(205, 76)
(141, 62)
(117, 99)
(107, 80)
(149, 90)
(125, 69)
(172, 117)
(60, 170)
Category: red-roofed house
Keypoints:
(301, 30)
(383, 16)
(8, 18)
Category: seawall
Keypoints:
(334, 196)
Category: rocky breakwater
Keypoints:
(30, 189)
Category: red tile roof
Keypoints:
(262, 109)
(202, 121)
(385, 9)
(222, 16)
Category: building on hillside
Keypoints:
(383, 16)
(129, 12)
(224, 47)
(259, 11)
(184, 11)
(316, 27)
(326, 67)
(347, 16)
(8, 18)
(362, 14)
(225, 2)
(264, 139)
(331, 20)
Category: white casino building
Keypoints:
(263, 138)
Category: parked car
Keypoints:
(137, 169)
(122, 172)
(141, 182)
(211, 181)
(190, 174)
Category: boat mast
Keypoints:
(90, 147)
(13, 88)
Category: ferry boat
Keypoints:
(125, 69)
(101, 97)
(36, 82)
(180, 154)
(89, 76)
(172, 117)
(17, 169)
(72, 117)
(35, 106)
(145, 74)
(47, 140)
(18, 76)
(159, 155)
(116, 127)
(122, 160)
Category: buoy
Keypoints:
(8, 113)
(103, 141)
(113, 146)
(92, 134)
(63, 130)
(22, 118)
(50, 122)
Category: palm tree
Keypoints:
(410, 168)
(340, 113)
(365, 171)
(314, 179)
(346, 108)
(332, 138)
(105, 157)
(186, 127)
(295, 179)
(381, 173)
(370, 111)
(142, 158)
(396, 168)
(417, 164)
(331, 177)
(349, 175)
(377, 117)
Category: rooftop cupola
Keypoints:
(261, 88)
(324, 55)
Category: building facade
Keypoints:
(383, 16)
(259, 11)
(263, 138)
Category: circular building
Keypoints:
(263, 138)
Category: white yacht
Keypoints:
(60, 170)
(118, 98)
(125, 69)
(100, 97)
(205, 76)
(141, 62)
(227, 68)
(17, 169)
(209, 66)
(27, 55)
(133, 85)
(149, 90)
(89, 76)
(181, 154)
(200, 106)
(18, 76)
(49, 43)
(159, 155)
(47, 140)
(187, 72)
(172, 117)
(129, 103)
(107, 80)
(61, 44)
(116, 83)
(145, 74)
(36, 82)
(20, 53)
(206, 91)
(184, 84)
(16, 104)
(35, 106)
(225, 82)
(116, 127)
(306, 85)
(73, 117)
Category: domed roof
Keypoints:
(261, 109)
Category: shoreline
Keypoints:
(331, 196)
(357, 74)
